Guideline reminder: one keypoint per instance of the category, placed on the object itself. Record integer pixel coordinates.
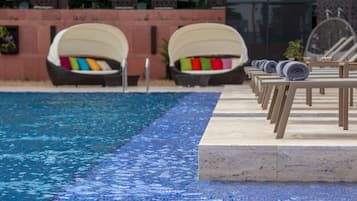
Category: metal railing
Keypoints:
(124, 76)
(147, 74)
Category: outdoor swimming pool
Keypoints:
(159, 163)
(49, 139)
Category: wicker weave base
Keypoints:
(236, 76)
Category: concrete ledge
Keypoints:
(239, 143)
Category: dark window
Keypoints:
(268, 25)
(191, 4)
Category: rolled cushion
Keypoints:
(196, 64)
(83, 65)
(295, 71)
(93, 64)
(261, 63)
(280, 67)
(65, 62)
(104, 65)
(205, 63)
(74, 63)
(253, 63)
(216, 64)
(185, 64)
(270, 66)
(227, 63)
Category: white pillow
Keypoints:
(104, 65)
(235, 62)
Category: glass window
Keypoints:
(188, 4)
(268, 25)
(250, 20)
(287, 21)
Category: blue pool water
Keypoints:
(159, 163)
(47, 140)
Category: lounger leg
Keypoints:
(309, 96)
(345, 108)
(286, 112)
(280, 110)
(273, 100)
(279, 99)
(322, 91)
(267, 97)
(256, 86)
(340, 106)
(251, 82)
(261, 94)
(351, 96)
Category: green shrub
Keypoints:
(295, 50)
(165, 51)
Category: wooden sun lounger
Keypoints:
(284, 94)
(266, 90)
(342, 71)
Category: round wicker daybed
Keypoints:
(207, 40)
(96, 41)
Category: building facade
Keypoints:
(266, 26)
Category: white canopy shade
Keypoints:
(204, 39)
(100, 40)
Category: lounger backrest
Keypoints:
(333, 48)
(338, 50)
(353, 58)
(348, 53)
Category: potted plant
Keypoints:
(165, 56)
(7, 42)
(294, 51)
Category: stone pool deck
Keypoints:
(239, 143)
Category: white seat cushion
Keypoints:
(103, 72)
(206, 72)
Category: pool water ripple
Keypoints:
(47, 140)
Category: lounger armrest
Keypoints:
(323, 63)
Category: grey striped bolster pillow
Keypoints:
(253, 63)
(280, 67)
(270, 66)
(295, 71)
(261, 64)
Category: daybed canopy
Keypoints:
(100, 40)
(329, 36)
(206, 39)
